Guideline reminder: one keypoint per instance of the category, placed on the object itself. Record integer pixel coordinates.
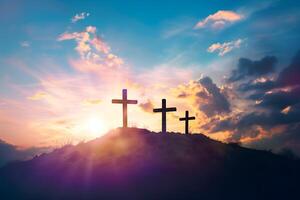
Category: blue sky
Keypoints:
(138, 30)
(155, 48)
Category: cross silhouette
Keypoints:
(186, 119)
(164, 111)
(124, 101)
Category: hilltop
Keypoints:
(131, 163)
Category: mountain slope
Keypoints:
(11, 153)
(137, 164)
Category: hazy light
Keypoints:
(94, 127)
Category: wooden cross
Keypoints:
(164, 111)
(124, 101)
(186, 119)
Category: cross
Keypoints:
(186, 119)
(124, 101)
(164, 111)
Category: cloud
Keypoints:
(225, 47)
(290, 75)
(260, 86)
(147, 106)
(248, 68)
(281, 99)
(91, 29)
(94, 53)
(286, 82)
(82, 39)
(254, 126)
(205, 95)
(287, 138)
(79, 16)
(219, 19)
(286, 110)
(100, 45)
(92, 101)
(271, 117)
(283, 86)
(25, 44)
(38, 96)
(217, 102)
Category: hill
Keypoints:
(134, 163)
(11, 153)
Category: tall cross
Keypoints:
(186, 119)
(164, 111)
(124, 101)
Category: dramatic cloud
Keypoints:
(205, 95)
(79, 16)
(219, 19)
(248, 68)
(217, 102)
(287, 139)
(257, 125)
(285, 82)
(225, 47)
(281, 99)
(272, 117)
(290, 75)
(261, 85)
(278, 94)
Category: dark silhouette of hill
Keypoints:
(11, 153)
(131, 163)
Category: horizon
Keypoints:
(235, 66)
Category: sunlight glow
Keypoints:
(94, 126)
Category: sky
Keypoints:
(235, 65)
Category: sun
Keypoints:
(94, 126)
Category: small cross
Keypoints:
(186, 119)
(124, 101)
(164, 111)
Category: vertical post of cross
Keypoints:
(164, 116)
(187, 122)
(124, 98)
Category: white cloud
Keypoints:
(25, 44)
(94, 52)
(225, 47)
(219, 19)
(79, 16)
(91, 29)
